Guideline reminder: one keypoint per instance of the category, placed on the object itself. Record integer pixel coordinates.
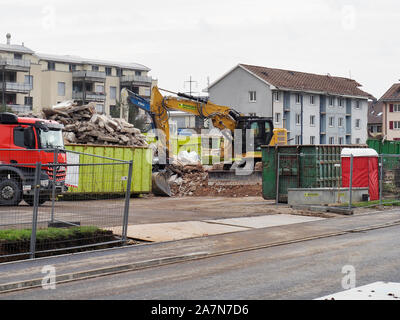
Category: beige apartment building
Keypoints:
(30, 81)
(391, 113)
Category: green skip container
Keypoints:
(104, 179)
(300, 166)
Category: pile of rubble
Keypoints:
(84, 125)
(186, 179)
(192, 180)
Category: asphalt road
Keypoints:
(305, 270)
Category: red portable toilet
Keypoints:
(365, 170)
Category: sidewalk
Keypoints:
(94, 263)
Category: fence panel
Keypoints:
(17, 184)
(58, 220)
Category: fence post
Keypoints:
(277, 179)
(35, 209)
(381, 182)
(127, 199)
(351, 182)
(53, 192)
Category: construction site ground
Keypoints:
(164, 219)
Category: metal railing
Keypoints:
(134, 78)
(88, 74)
(38, 197)
(15, 62)
(89, 96)
(19, 108)
(16, 86)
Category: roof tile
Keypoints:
(294, 80)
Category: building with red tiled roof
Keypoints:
(314, 108)
(391, 112)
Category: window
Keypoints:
(341, 102)
(119, 72)
(51, 66)
(357, 125)
(108, 71)
(298, 99)
(19, 137)
(340, 122)
(61, 89)
(138, 73)
(253, 114)
(312, 100)
(100, 108)
(332, 121)
(358, 141)
(358, 104)
(18, 56)
(395, 125)
(331, 101)
(277, 96)
(312, 140)
(28, 79)
(113, 93)
(298, 140)
(331, 140)
(277, 117)
(341, 140)
(298, 118)
(28, 101)
(99, 88)
(312, 120)
(72, 67)
(115, 111)
(95, 68)
(252, 96)
(396, 108)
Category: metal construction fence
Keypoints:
(353, 184)
(41, 211)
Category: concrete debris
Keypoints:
(192, 180)
(83, 125)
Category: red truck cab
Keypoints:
(23, 143)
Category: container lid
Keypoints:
(359, 152)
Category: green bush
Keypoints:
(48, 234)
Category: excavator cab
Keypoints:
(262, 129)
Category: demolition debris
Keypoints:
(83, 125)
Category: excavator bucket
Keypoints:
(160, 186)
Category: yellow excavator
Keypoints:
(224, 118)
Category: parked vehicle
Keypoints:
(23, 143)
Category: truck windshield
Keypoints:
(51, 139)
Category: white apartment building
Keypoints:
(30, 81)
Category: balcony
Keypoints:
(90, 96)
(15, 64)
(136, 80)
(91, 76)
(20, 108)
(16, 87)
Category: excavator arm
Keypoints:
(159, 106)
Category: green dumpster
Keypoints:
(112, 178)
(302, 166)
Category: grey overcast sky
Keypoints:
(179, 38)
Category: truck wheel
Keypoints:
(10, 192)
(29, 200)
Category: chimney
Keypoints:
(8, 36)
